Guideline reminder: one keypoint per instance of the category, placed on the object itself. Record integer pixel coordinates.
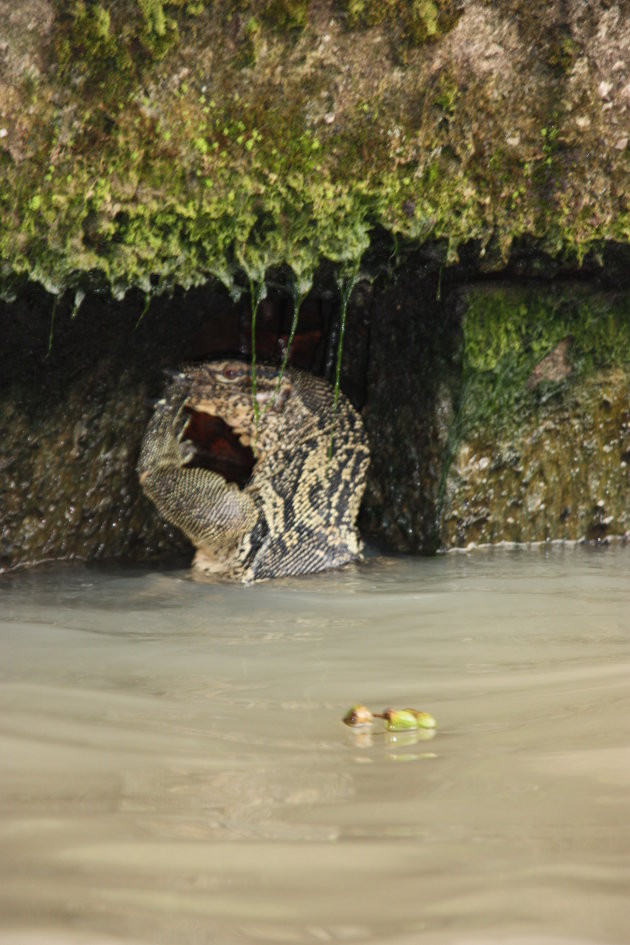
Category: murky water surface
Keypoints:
(174, 769)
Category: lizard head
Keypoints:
(232, 424)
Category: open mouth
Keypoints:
(217, 447)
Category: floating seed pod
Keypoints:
(424, 719)
(358, 715)
(399, 720)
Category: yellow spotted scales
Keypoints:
(297, 511)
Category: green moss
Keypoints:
(287, 14)
(279, 15)
(418, 20)
(179, 140)
(109, 45)
(543, 389)
(507, 332)
(563, 51)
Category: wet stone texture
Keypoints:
(564, 474)
(71, 421)
(497, 411)
(540, 442)
(411, 385)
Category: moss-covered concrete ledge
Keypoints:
(147, 143)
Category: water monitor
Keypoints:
(259, 497)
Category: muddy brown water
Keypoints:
(174, 769)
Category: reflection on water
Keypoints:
(174, 768)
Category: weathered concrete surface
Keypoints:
(500, 412)
(70, 425)
(541, 441)
(412, 383)
(563, 475)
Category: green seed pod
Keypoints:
(399, 720)
(424, 719)
(358, 715)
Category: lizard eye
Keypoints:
(230, 373)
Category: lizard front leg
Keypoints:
(213, 513)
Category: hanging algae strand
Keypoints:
(297, 297)
(145, 309)
(79, 295)
(52, 326)
(257, 292)
(345, 285)
(150, 292)
(298, 294)
(299, 289)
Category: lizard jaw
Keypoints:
(219, 447)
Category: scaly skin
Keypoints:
(297, 511)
